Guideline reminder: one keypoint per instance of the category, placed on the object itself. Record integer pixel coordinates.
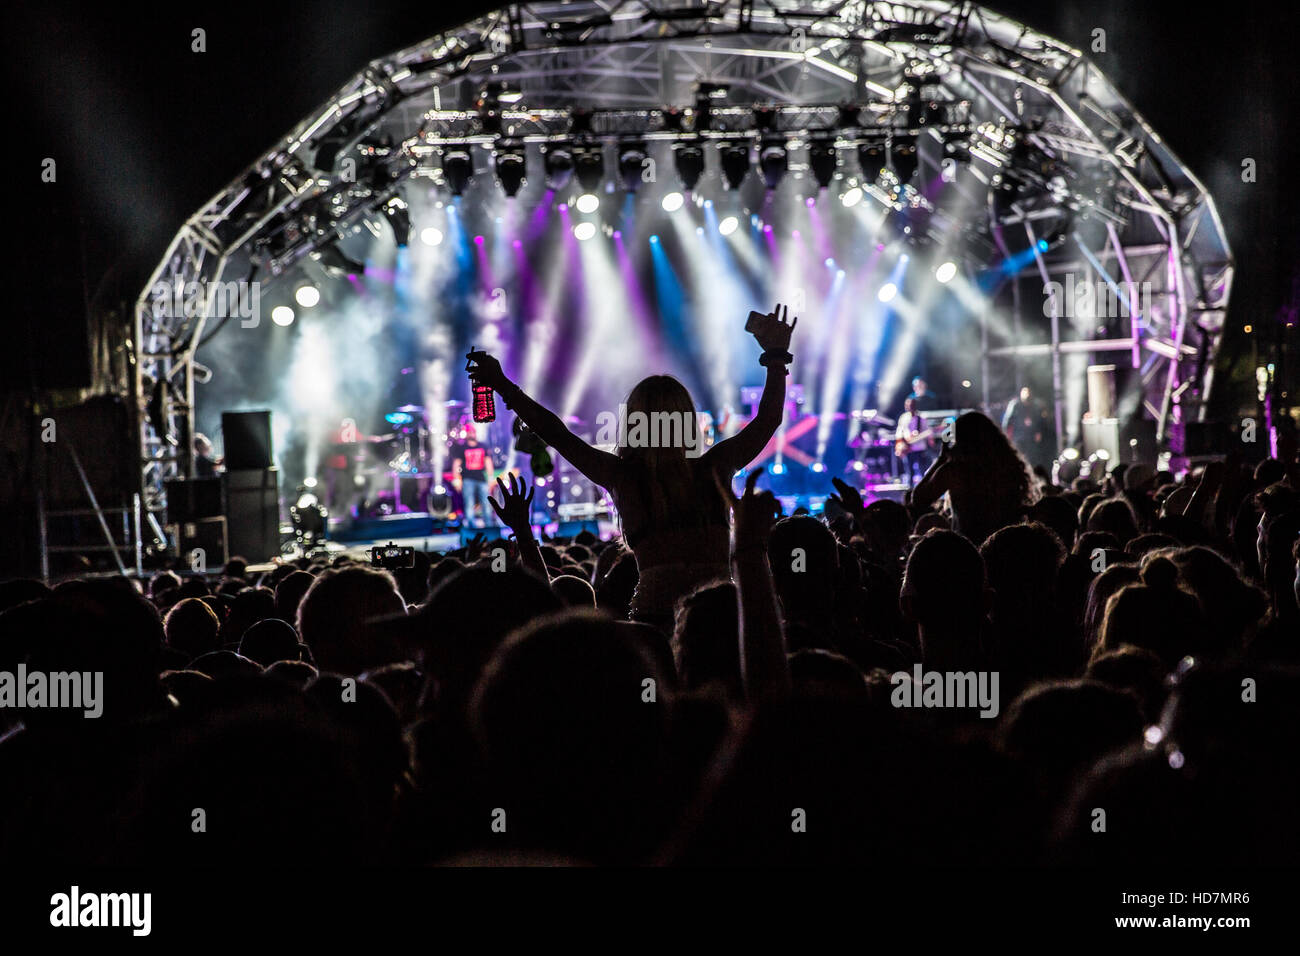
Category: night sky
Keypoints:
(144, 130)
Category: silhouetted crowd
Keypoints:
(1143, 628)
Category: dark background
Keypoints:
(144, 131)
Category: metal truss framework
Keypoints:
(1053, 147)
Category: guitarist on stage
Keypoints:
(913, 442)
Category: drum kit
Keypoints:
(399, 471)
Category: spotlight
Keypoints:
(631, 164)
(871, 157)
(945, 272)
(735, 163)
(336, 263)
(818, 467)
(589, 167)
(1070, 454)
(588, 202)
(887, 292)
(689, 160)
(728, 225)
(822, 160)
(431, 236)
(457, 170)
(903, 159)
(584, 231)
(558, 163)
(399, 218)
(778, 469)
(773, 160)
(673, 202)
(852, 196)
(511, 168)
(282, 315)
(307, 296)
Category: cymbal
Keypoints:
(411, 408)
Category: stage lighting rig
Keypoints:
(457, 169)
(631, 164)
(872, 158)
(688, 158)
(488, 106)
(706, 94)
(903, 159)
(557, 160)
(336, 263)
(773, 160)
(735, 163)
(511, 167)
(398, 215)
(589, 167)
(822, 160)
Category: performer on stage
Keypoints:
(913, 442)
(474, 472)
(205, 463)
(922, 396)
(1027, 424)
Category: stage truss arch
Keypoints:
(1039, 126)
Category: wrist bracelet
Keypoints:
(775, 356)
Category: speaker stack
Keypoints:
(251, 486)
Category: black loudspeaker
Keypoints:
(253, 513)
(47, 342)
(206, 535)
(246, 437)
(192, 499)
(101, 432)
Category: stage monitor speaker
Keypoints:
(207, 535)
(246, 438)
(190, 499)
(1103, 435)
(252, 499)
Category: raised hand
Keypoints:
(755, 512)
(474, 549)
(774, 334)
(850, 500)
(515, 507)
(483, 369)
